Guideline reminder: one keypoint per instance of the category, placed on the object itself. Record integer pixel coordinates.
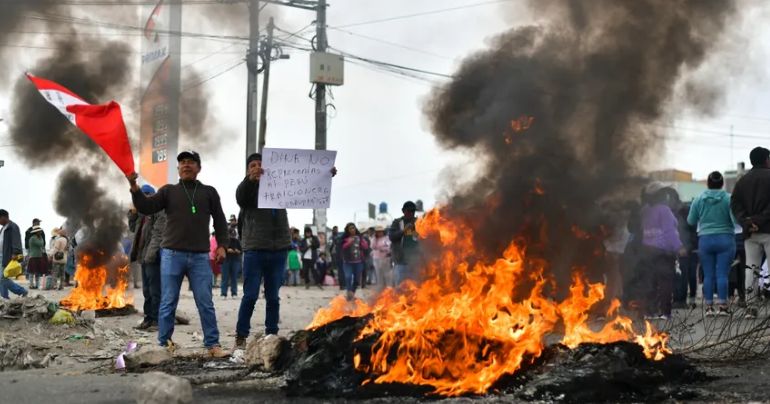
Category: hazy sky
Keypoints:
(385, 149)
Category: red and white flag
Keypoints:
(102, 123)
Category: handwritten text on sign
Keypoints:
(296, 179)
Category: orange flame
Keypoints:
(467, 324)
(93, 291)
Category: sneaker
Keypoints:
(217, 352)
(751, 313)
(710, 311)
(664, 316)
(240, 343)
(723, 311)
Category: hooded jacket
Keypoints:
(750, 201)
(711, 212)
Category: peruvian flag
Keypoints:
(102, 123)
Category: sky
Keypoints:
(385, 149)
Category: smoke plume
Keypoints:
(561, 113)
(82, 201)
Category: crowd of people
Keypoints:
(655, 258)
(722, 239)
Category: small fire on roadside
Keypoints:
(95, 289)
(471, 321)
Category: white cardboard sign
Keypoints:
(296, 179)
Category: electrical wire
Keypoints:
(431, 12)
(394, 44)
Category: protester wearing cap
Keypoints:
(10, 248)
(189, 206)
(145, 250)
(265, 240)
(404, 244)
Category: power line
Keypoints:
(431, 12)
(110, 25)
(128, 3)
(397, 45)
(240, 62)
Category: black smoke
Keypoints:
(593, 79)
(84, 203)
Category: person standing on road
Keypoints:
(404, 243)
(38, 263)
(145, 250)
(266, 240)
(660, 247)
(10, 248)
(59, 247)
(353, 246)
(189, 206)
(750, 204)
(710, 212)
(308, 247)
(380, 246)
(231, 268)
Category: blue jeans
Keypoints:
(293, 277)
(231, 270)
(174, 265)
(257, 265)
(7, 284)
(151, 291)
(716, 253)
(353, 273)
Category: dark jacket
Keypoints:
(150, 234)
(314, 245)
(260, 229)
(396, 234)
(750, 201)
(11, 242)
(186, 230)
(235, 245)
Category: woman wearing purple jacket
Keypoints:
(660, 247)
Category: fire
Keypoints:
(472, 321)
(339, 307)
(93, 291)
(654, 343)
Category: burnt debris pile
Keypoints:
(322, 366)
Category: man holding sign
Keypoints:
(263, 224)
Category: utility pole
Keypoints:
(267, 56)
(252, 67)
(320, 92)
(319, 215)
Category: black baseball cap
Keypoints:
(189, 154)
(35, 220)
(409, 205)
(253, 157)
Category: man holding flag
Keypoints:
(188, 205)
